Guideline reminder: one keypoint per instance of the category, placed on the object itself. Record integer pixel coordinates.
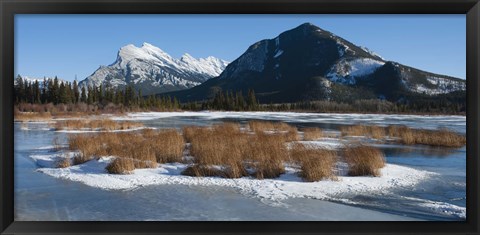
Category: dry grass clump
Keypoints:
(316, 164)
(312, 133)
(146, 147)
(32, 116)
(121, 166)
(87, 146)
(96, 124)
(167, 146)
(228, 127)
(407, 135)
(266, 155)
(233, 150)
(144, 164)
(257, 126)
(261, 126)
(442, 137)
(364, 160)
(190, 131)
(203, 171)
(376, 132)
(290, 135)
(222, 146)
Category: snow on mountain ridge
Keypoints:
(152, 69)
(371, 52)
(345, 71)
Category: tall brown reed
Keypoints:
(267, 154)
(364, 160)
(121, 166)
(316, 164)
(312, 133)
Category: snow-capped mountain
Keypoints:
(309, 63)
(151, 70)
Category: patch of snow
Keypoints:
(441, 85)
(279, 53)
(345, 71)
(441, 207)
(372, 53)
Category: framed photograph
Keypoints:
(239, 117)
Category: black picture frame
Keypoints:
(9, 8)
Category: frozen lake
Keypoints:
(39, 196)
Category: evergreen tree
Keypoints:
(83, 97)
(76, 92)
(36, 92)
(19, 89)
(90, 95)
(252, 100)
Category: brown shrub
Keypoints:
(364, 160)
(315, 164)
(121, 166)
(312, 133)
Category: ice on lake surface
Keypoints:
(432, 186)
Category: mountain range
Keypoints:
(150, 70)
(309, 63)
(301, 64)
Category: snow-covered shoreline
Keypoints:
(269, 191)
(288, 185)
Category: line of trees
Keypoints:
(232, 101)
(56, 91)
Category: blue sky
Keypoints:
(69, 45)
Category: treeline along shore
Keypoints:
(55, 96)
